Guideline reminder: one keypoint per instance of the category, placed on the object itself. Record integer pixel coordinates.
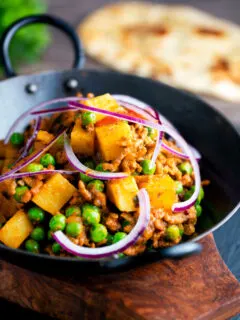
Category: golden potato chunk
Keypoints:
(82, 141)
(16, 230)
(161, 190)
(105, 102)
(54, 194)
(122, 192)
(44, 136)
(110, 139)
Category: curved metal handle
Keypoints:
(42, 18)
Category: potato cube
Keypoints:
(44, 136)
(54, 194)
(122, 192)
(16, 230)
(82, 141)
(161, 190)
(105, 102)
(110, 138)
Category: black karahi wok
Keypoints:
(200, 125)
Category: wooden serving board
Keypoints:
(199, 287)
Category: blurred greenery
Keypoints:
(30, 42)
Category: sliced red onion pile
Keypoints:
(122, 245)
(178, 207)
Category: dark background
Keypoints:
(59, 57)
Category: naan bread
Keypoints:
(178, 45)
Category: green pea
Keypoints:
(49, 235)
(10, 165)
(38, 234)
(36, 214)
(72, 210)
(88, 118)
(99, 167)
(97, 185)
(147, 167)
(98, 233)
(57, 222)
(32, 246)
(179, 187)
(73, 229)
(121, 255)
(109, 239)
(151, 132)
(198, 209)
(91, 214)
(85, 178)
(34, 167)
(200, 195)
(17, 139)
(173, 233)
(56, 248)
(47, 159)
(185, 167)
(119, 236)
(190, 192)
(19, 192)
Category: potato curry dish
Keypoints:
(97, 177)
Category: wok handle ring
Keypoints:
(33, 19)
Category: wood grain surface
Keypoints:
(203, 283)
(196, 288)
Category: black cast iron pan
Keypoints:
(200, 124)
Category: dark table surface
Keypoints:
(58, 57)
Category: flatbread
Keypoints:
(178, 45)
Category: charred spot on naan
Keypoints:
(140, 29)
(209, 32)
(222, 69)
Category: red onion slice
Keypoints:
(108, 251)
(31, 174)
(30, 141)
(179, 154)
(6, 175)
(78, 165)
(139, 104)
(144, 122)
(136, 109)
(39, 106)
(53, 110)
